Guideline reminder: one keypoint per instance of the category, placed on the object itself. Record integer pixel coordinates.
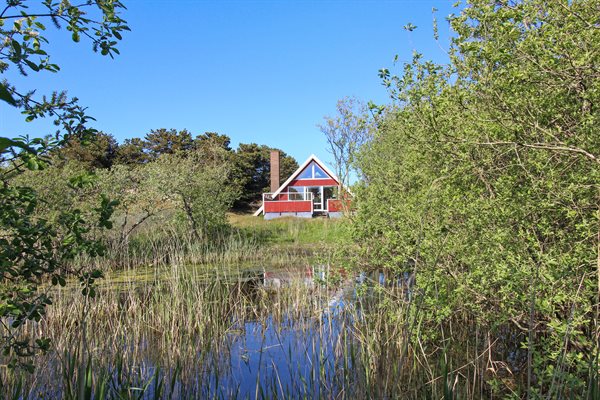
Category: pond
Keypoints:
(207, 332)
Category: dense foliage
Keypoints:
(250, 173)
(36, 251)
(483, 181)
(253, 171)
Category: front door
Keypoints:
(317, 192)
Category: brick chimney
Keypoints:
(274, 170)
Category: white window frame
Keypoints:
(323, 205)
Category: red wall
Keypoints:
(313, 182)
(335, 205)
(288, 206)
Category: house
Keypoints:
(312, 190)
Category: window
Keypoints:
(296, 193)
(313, 171)
(306, 174)
(329, 192)
(318, 173)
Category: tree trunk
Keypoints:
(188, 211)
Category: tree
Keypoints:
(346, 133)
(139, 199)
(23, 47)
(482, 180)
(62, 187)
(167, 141)
(99, 151)
(132, 152)
(253, 171)
(34, 250)
(199, 184)
(213, 138)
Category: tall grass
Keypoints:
(180, 324)
(247, 240)
(184, 335)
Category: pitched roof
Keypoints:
(295, 175)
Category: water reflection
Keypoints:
(261, 334)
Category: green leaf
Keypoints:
(16, 46)
(96, 274)
(32, 65)
(6, 96)
(32, 164)
(5, 143)
(409, 27)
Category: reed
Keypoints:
(189, 333)
(247, 240)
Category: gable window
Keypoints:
(318, 173)
(313, 171)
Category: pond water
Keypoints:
(188, 333)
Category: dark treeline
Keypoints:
(250, 161)
(168, 187)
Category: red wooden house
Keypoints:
(310, 191)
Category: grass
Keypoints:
(247, 240)
(293, 231)
(165, 295)
(179, 319)
(189, 334)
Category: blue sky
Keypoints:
(258, 71)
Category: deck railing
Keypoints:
(288, 196)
